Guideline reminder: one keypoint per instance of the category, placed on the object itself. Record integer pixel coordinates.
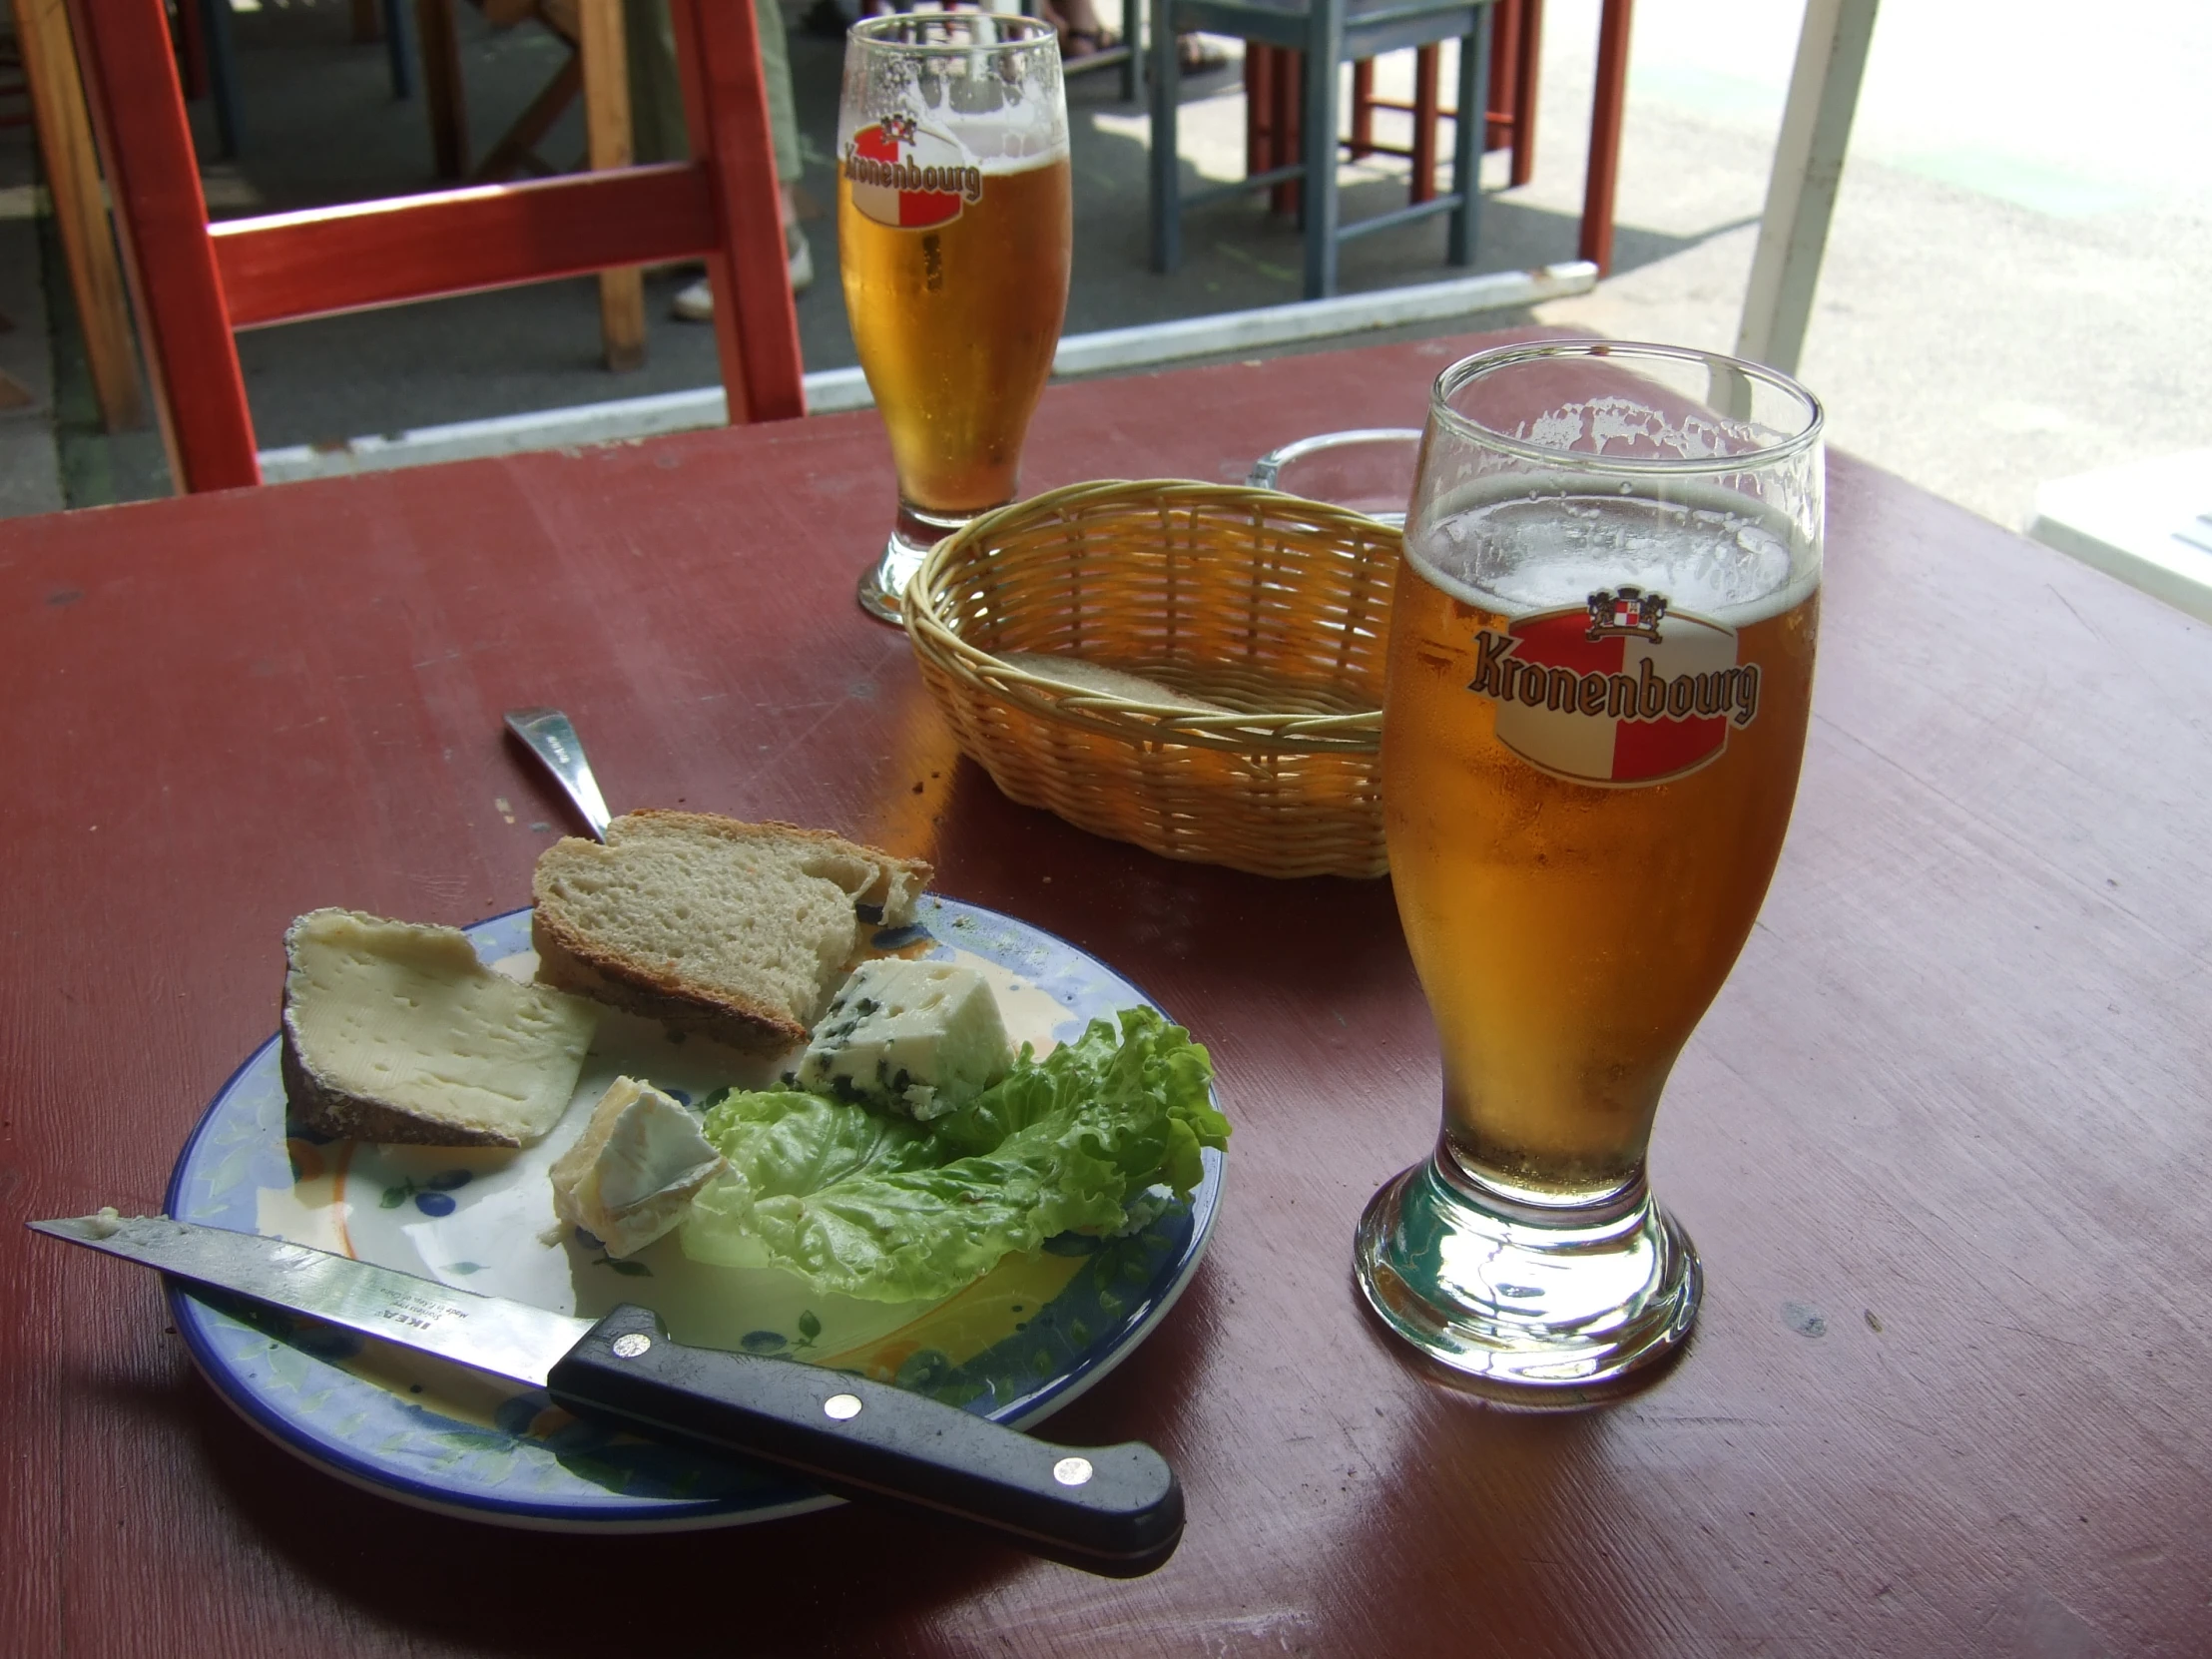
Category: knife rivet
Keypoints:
(630, 1345)
(842, 1407)
(1072, 1471)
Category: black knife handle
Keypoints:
(1113, 1509)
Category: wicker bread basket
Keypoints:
(1275, 609)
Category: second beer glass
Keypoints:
(954, 224)
(1600, 675)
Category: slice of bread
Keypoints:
(397, 1032)
(1080, 673)
(735, 931)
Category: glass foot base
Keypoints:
(916, 530)
(1537, 1307)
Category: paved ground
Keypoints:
(2013, 288)
(2024, 223)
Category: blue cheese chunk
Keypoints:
(916, 1037)
(634, 1171)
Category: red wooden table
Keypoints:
(1943, 1141)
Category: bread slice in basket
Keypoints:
(735, 931)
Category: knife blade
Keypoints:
(1114, 1510)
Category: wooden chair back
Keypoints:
(192, 283)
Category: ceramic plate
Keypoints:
(1015, 1345)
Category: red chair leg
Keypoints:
(1427, 108)
(1505, 109)
(1362, 109)
(755, 326)
(161, 219)
(1258, 80)
(1527, 62)
(1605, 135)
(1271, 117)
(1289, 71)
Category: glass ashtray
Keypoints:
(1369, 470)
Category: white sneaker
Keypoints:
(696, 302)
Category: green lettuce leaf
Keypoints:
(863, 1204)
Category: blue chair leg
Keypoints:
(1165, 77)
(1325, 41)
(1469, 136)
(1132, 37)
(396, 47)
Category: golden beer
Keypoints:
(1599, 682)
(955, 226)
(955, 324)
(1570, 931)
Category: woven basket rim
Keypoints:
(1239, 732)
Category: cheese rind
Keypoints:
(633, 1173)
(397, 1032)
(920, 1038)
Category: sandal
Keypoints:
(1094, 41)
(1195, 57)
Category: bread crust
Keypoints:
(895, 896)
(570, 961)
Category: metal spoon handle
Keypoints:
(547, 734)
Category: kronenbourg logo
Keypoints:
(1622, 692)
(909, 175)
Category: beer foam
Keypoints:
(1016, 153)
(995, 145)
(1714, 553)
(1021, 160)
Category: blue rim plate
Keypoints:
(1017, 1345)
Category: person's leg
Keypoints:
(656, 131)
(1080, 31)
(783, 111)
(1081, 34)
(657, 117)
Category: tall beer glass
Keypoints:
(1600, 667)
(954, 223)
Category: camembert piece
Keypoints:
(916, 1037)
(632, 1174)
(397, 1032)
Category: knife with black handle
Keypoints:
(1114, 1510)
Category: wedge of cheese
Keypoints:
(915, 1037)
(633, 1173)
(397, 1032)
